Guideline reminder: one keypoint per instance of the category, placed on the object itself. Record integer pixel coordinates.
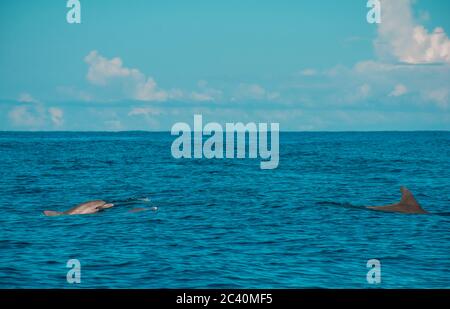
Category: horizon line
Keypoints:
(168, 131)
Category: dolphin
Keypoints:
(407, 204)
(140, 209)
(90, 207)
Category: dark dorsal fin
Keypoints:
(409, 202)
(408, 198)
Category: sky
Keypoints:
(145, 65)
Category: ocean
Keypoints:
(224, 223)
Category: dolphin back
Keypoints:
(407, 204)
(51, 213)
(86, 208)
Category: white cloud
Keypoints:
(149, 115)
(35, 116)
(254, 92)
(213, 93)
(146, 111)
(56, 116)
(27, 98)
(147, 91)
(399, 36)
(101, 70)
(136, 85)
(74, 93)
(439, 96)
(201, 97)
(399, 90)
(364, 90)
(273, 96)
(308, 72)
(375, 85)
(114, 125)
(356, 94)
(205, 93)
(32, 113)
(133, 84)
(26, 116)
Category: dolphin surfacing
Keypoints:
(407, 204)
(90, 207)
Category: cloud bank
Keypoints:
(401, 38)
(32, 114)
(136, 85)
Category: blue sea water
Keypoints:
(224, 223)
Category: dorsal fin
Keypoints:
(408, 198)
(407, 204)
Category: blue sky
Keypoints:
(145, 65)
